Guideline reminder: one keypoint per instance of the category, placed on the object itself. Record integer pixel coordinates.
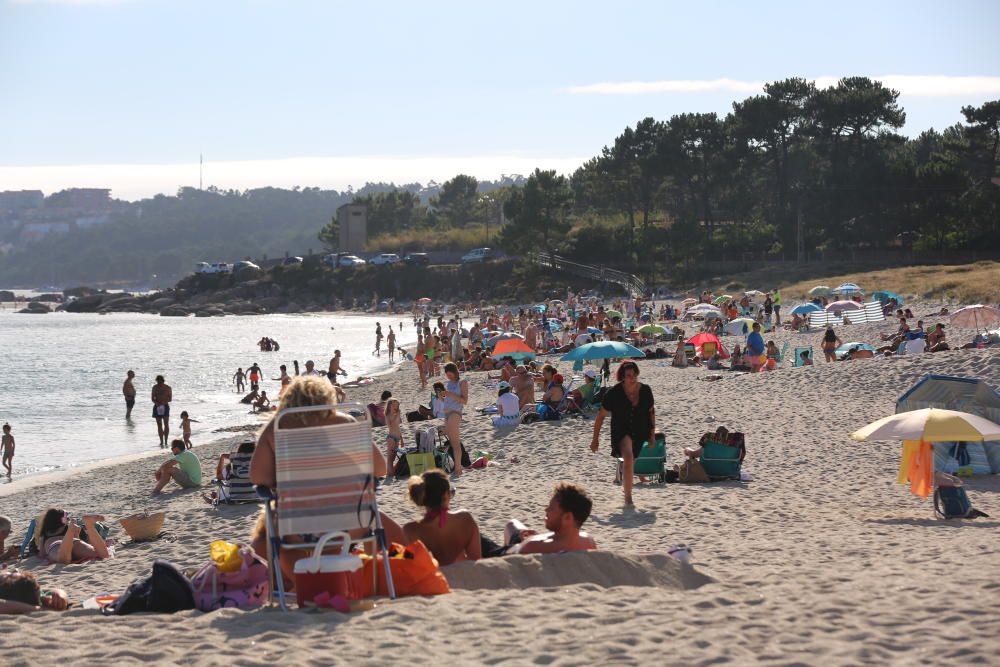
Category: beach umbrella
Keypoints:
(805, 309)
(541, 307)
(930, 425)
(819, 290)
(595, 331)
(507, 335)
(841, 306)
(605, 349)
(652, 329)
(704, 308)
(689, 302)
(611, 314)
(513, 348)
(848, 288)
(425, 299)
(557, 302)
(974, 317)
(849, 347)
(719, 300)
(885, 296)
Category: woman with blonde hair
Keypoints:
(451, 536)
(303, 391)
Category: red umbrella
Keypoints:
(700, 339)
(513, 347)
(424, 300)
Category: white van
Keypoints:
(477, 255)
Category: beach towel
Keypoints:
(920, 470)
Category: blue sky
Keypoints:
(127, 93)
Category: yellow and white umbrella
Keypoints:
(930, 425)
(918, 429)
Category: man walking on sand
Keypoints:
(335, 368)
(162, 394)
(128, 391)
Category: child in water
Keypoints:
(7, 444)
(186, 428)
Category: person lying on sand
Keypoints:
(451, 536)
(564, 516)
(60, 537)
(21, 594)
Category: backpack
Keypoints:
(166, 591)
(951, 502)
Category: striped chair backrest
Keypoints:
(240, 486)
(325, 477)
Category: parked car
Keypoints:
(385, 258)
(417, 258)
(350, 260)
(477, 255)
(294, 259)
(245, 265)
(214, 267)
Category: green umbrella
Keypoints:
(612, 314)
(719, 300)
(653, 329)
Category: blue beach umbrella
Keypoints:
(605, 349)
(847, 288)
(595, 331)
(884, 296)
(805, 309)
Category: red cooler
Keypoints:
(336, 574)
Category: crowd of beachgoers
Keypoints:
(478, 374)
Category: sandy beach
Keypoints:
(821, 559)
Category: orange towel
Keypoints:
(921, 470)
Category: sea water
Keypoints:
(61, 374)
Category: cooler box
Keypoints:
(336, 574)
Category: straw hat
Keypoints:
(143, 526)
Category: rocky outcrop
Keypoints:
(6, 295)
(36, 307)
(175, 311)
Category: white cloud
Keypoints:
(907, 84)
(135, 181)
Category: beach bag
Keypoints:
(419, 462)
(466, 460)
(166, 591)
(951, 502)
(414, 569)
(691, 471)
(235, 577)
(427, 439)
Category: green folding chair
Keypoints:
(650, 462)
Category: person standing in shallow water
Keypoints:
(128, 391)
(162, 395)
(390, 342)
(378, 340)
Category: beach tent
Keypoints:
(516, 349)
(970, 395)
(738, 327)
(884, 296)
(700, 339)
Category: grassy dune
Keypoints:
(960, 283)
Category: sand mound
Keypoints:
(600, 568)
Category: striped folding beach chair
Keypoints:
(325, 484)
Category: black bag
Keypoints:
(165, 591)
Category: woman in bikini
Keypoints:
(60, 538)
(451, 536)
(830, 344)
(394, 436)
(454, 398)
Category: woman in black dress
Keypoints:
(633, 420)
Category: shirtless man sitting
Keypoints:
(567, 510)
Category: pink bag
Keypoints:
(245, 589)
